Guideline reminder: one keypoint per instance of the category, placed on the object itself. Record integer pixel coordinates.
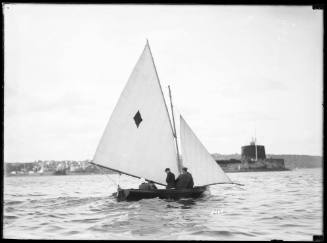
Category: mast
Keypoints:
(255, 144)
(256, 151)
(173, 127)
(174, 131)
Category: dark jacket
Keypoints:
(191, 182)
(184, 181)
(170, 180)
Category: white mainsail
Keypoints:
(196, 158)
(138, 139)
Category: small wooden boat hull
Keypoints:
(137, 194)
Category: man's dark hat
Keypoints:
(184, 168)
(167, 169)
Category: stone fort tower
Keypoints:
(253, 152)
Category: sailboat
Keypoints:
(140, 140)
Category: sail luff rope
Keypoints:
(163, 97)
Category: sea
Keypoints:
(280, 205)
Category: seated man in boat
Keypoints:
(152, 185)
(170, 179)
(148, 186)
(184, 180)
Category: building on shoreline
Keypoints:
(51, 167)
(253, 158)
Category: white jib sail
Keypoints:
(196, 158)
(138, 139)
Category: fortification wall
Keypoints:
(234, 165)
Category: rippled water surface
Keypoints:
(283, 205)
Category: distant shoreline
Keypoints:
(52, 174)
(114, 173)
(86, 168)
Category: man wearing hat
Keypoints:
(170, 179)
(184, 180)
(147, 186)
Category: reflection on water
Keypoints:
(283, 205)
(186, 203)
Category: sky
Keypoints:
(235, 72)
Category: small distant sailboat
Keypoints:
(41, 171)
(140, 140)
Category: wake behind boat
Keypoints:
(140, 140)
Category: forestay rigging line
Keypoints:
(108, 176)
(162, 94)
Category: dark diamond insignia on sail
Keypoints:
(138, 118)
